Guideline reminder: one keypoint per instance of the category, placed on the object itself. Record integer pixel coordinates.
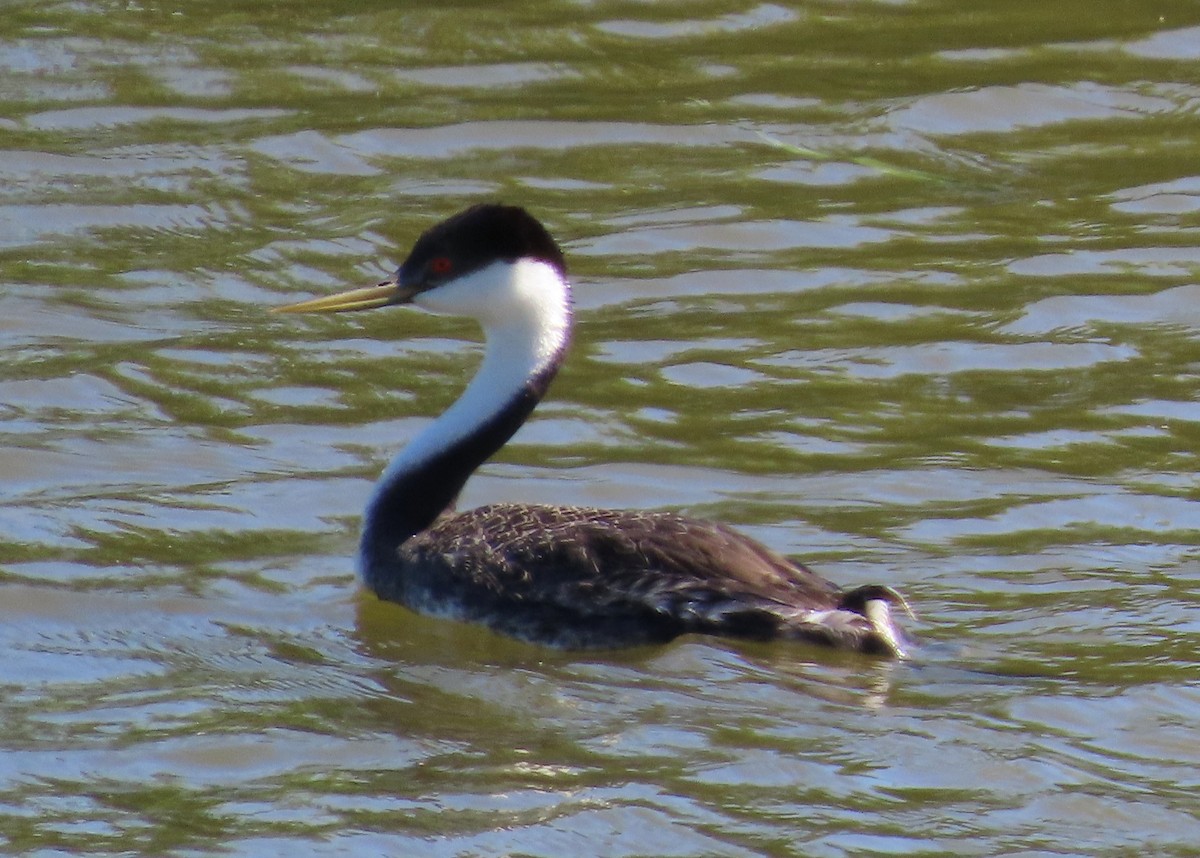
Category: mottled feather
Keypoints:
(583, 577)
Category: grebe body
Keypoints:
(563, 576)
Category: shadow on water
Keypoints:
(478, 668)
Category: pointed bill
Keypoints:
(387, 292)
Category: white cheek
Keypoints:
(526, 298)
(466, 296)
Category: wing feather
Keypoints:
(580, 576)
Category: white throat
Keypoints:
(524, 309)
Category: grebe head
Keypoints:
(477, 263)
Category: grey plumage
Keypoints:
(581, 577)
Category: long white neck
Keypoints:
(524, 309)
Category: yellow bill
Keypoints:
(387, 292)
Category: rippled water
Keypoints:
(909, 290)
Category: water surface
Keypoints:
(907, 290)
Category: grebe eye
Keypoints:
(440, 265)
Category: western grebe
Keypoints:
(563, 576)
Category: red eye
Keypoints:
(440, 265)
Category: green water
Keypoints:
(907, 290)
